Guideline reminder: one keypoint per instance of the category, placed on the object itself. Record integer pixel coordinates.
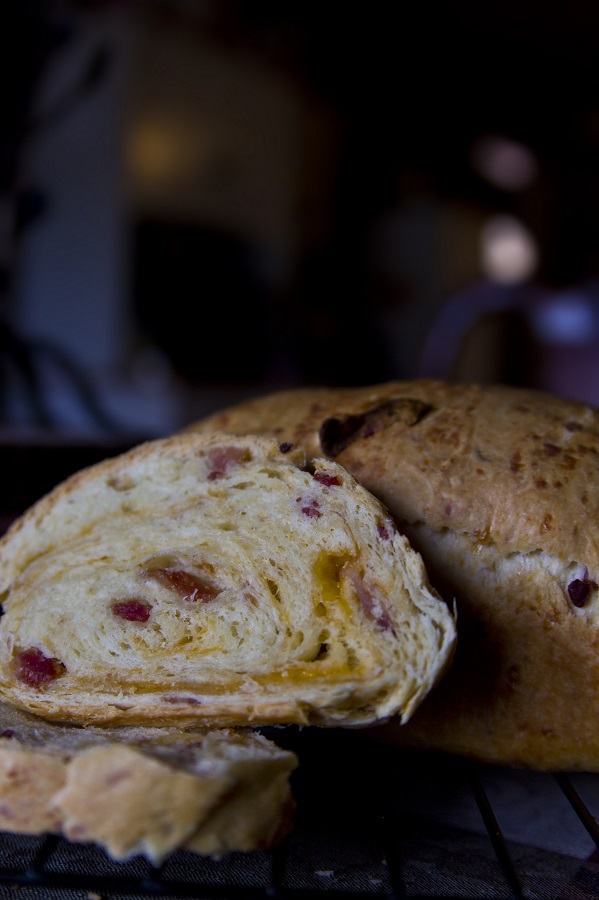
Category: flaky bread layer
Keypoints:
(206, 579)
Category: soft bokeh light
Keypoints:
(164, 152)
(509, 252)
(505, 163)
(566, 318)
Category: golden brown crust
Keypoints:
(498, 488)
(511, 466)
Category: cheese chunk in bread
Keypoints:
(206, 579)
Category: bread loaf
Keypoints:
(211, 580)
(498, 489)
(146, 791)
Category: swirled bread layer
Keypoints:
(216, 580)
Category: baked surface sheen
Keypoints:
(143, 791)
(216, 580)
(498, 488)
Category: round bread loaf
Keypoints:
(205, 579)
(145, 791)
(498, 489)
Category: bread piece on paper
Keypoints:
(498, 489)
(211, 580)
(144, 791)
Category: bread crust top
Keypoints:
(512, 467)
(498, 489)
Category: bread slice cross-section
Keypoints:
(216, 580)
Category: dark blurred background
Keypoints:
(200, 201)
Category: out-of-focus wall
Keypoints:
(204, 201)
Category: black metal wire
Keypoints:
(494, 831)
(153, 884)
(580, 808)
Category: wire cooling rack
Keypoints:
(370, 821)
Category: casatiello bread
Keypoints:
(498, 489)
(205, 579)
(143, 791)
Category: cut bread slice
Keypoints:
(213, 580)
(143, 791)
